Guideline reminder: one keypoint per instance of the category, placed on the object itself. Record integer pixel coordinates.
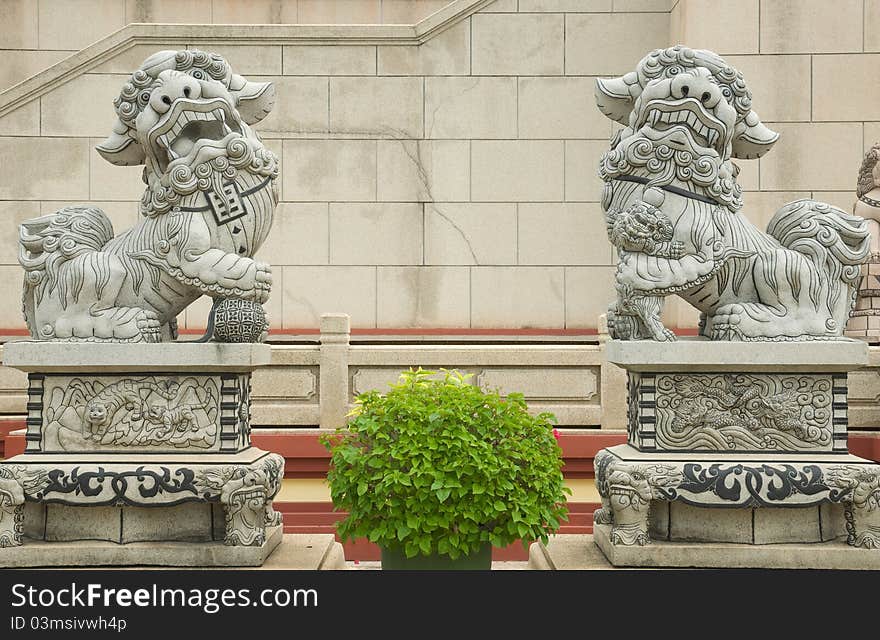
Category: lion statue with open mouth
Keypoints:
(672, 202)
(208, 206)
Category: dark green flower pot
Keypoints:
(395, 559)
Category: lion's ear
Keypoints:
(255, 99)
(752, 138)
(614, 97)
(121, 149)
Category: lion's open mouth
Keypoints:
(190, 123)
(686, 114)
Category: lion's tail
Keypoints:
(834, 241)
(47, 243)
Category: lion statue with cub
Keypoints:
(672, 207)
(208, 205)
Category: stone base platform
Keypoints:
(121, 498)
(754, 499)
(280, 551)
(138, 454)
(98, 553)
(585, 552)
(568, 552)
(737, 456)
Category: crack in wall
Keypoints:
(415, 156)
(430, 130)
(426, 187)
(415, 153)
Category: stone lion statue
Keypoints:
(208, 205)
(672, 205)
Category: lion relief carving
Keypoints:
(672, 207)
(208, 205)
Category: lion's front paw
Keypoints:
(725, 322)
(664, 335)
(262, 282)
(149, 326)
(621, 326)
(125, 324)
(676, 250)
(255, 284)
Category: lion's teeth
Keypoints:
(164, 140)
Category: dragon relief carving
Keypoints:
(16, 482)
(627, 491)
(246, 495)
(862, 511)
(208, 206)
(672, 205)
(742, 411)
(146, 412)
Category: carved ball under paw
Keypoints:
(238, 320)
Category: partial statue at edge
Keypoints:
(210, 196)
(864, 322)
(672, 202)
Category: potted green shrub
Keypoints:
(437, 471)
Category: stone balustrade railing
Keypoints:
(313, 385)
(310, 385)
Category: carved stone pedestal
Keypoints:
(139, 444)
(730, 442)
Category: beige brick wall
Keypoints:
(450, 184)
(35, 34)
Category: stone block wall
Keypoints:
(35, 34)
(446, 184)
(442, 177)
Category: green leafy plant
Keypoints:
(439, 466)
